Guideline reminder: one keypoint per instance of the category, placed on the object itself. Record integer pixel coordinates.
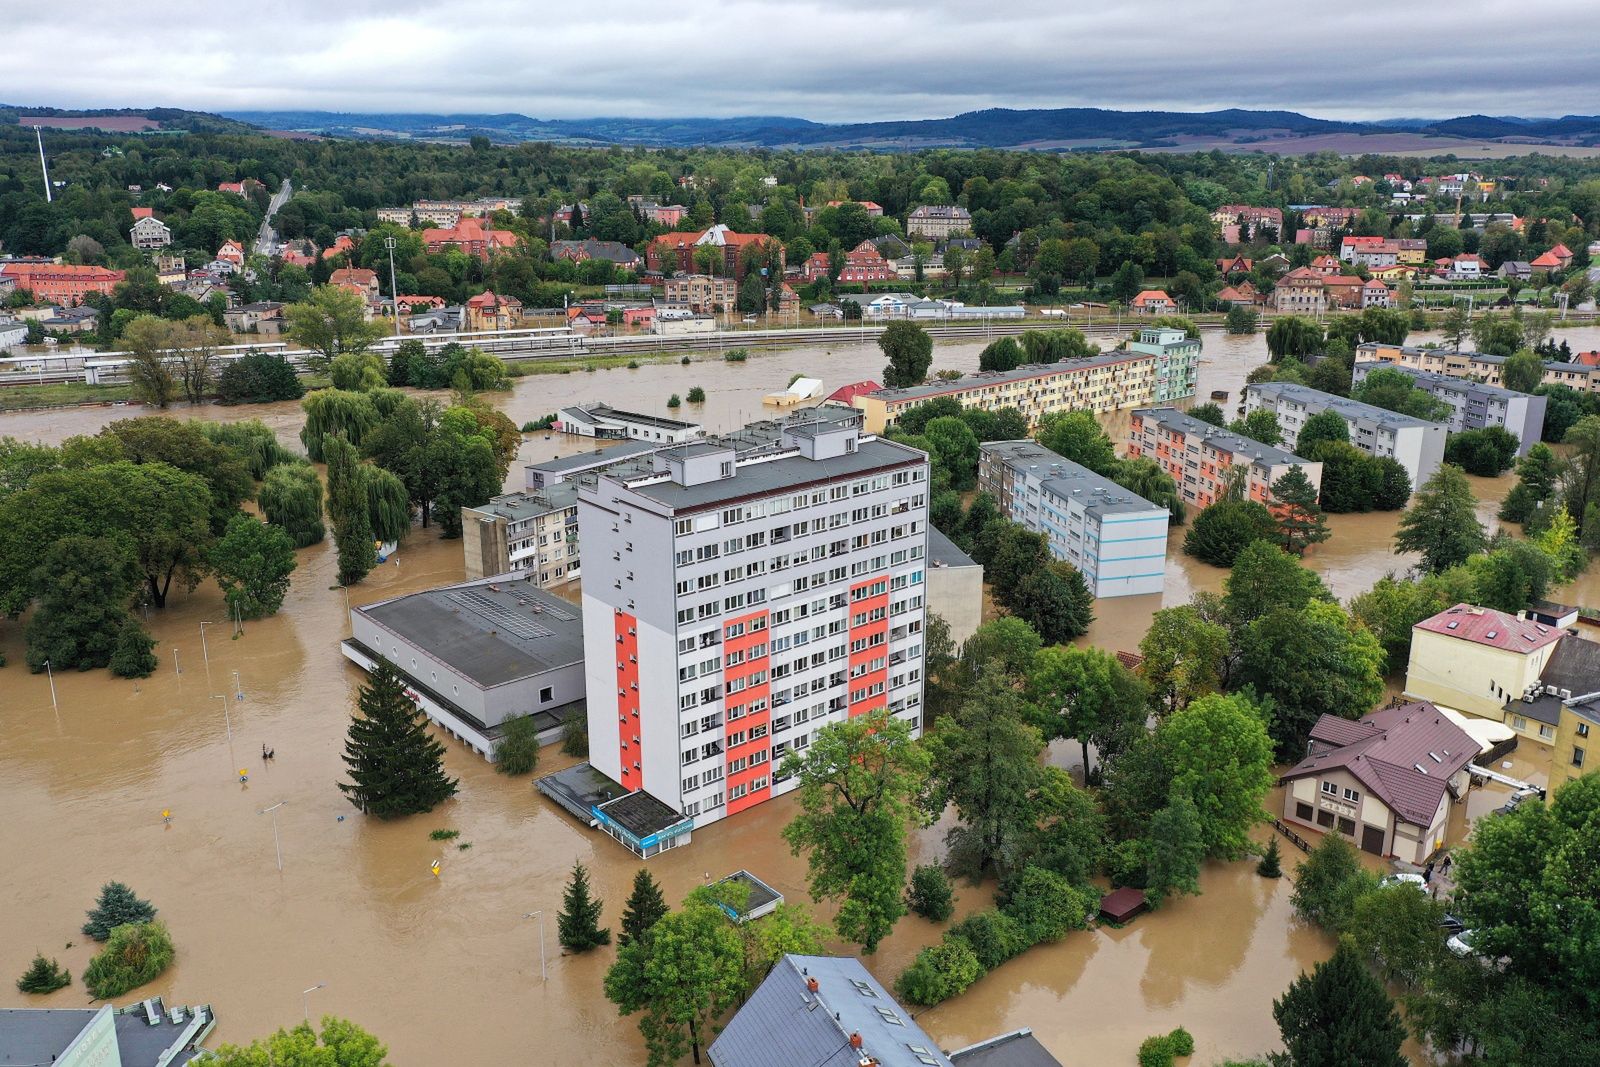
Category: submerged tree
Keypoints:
(396, 766)
(117, 905)
(578, 922)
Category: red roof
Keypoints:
(1587, 359)
(1150, 296)
(1120, 905)
(1486, 626)
(1547, 259)
(1561, 250)
(1364, 240)
(143, 212)
(846, 393)
(488, 299)
(1341, 279)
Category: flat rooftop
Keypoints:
(773, 475)
(494, 630)
(606, 411)
(986, 379)
(1063, 478)
(532, 502)
(943, 552)
(1349, 409)
(1218, 437)
(587, 460)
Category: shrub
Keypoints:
(1161, 1050)
(1271, 863)
(135, 953)
(633, 364)
(258, 379)
(517, 750)
(536, 425)
(697, 395)
(134, 656)
(117, 905)
(684, 361)
(1045, 905)
(575, 737)
(674, 401)
(444, 835)
(929, 894)
(45, 976)
(939, 972)
(736, 355)
(993, 935)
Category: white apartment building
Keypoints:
(1200, 456)
(740, 594)
(1416, 444)
(1474, 405)
(1117, 540)
(149, 233)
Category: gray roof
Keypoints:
(583, 461)
(1016, 1049)
(494, 631)
(38, 1035)
(984, 379)
(606, 411)
(943, 552)
(1219, 438)
(784, 1023)
(1343, 406)
(1574, 666)
(1062, 477)
(531, 503)
(1437, 381)
(756, 479)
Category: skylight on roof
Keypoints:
(1451, 625)
(888, 1016)
(863, 988)
(1492, 634)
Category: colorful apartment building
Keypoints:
(739, 594)
(471, 236)
(1117, 540)
(1479, 366)
(61, 283)
(675, 251)
(1199, 456)
(1156, 373)
(1417, 445)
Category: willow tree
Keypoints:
(252, 441)
(291, 497)
(335, 412)
(387, 503)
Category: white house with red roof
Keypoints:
(1375, 294)
(236, 188)
(231, 252)
(1387, 781)
(1476, 659)
(1153, 302)
(1467, 267)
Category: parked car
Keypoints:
(1405, 879)
(1461, 944)
(1515, 800)
(1451, 925)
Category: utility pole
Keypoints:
(394, 292)
(49, 197)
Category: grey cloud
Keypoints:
(821, 59)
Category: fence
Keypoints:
(1299, 842)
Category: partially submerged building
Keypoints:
(144, 1034)
(476, 654)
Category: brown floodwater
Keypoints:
(431, 963)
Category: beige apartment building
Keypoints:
(1199, 456)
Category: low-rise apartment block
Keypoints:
(740, 594)
(605, 421)
(1199, 456)
(1116, 539)
(1144, 373)
(1416, 444)
(1480, 366)
(1474, 405)
(536, 532)
(702, 294)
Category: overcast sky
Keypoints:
(819, 59)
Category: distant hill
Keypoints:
(125, 120)
(513, 128)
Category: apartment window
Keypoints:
(545, 695)
(1583, 729)
(1351, 796)
(1577, 756)
(1547, 733)
(1518, 722)
(1331, 789)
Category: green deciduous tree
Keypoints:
(1442, 522)
(1487, 452)
(1323, 426)
(578, 922)
(857, 782)
(291, 497)
(929, 893)
(135, 953)
(1311, 661)
(1075, 435)
(1340, 1016)
(253, 561)
(1222, 530)
(1329, 882)
(259, 378)
(330, 323)
(1055, 601)
(683, 976)
(516, 750)
(1396, 929)
(340, 1044)
(1220, 757)
(396, 767)
(1174, 849)
(1264, 577)
(909, 350)
(83, 602)
(1086, 693)
(1185, 656)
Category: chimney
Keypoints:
(811, 984)
(855, 1040)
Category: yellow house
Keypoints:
(1395, 272)
(1576, 735)
(1478, 660)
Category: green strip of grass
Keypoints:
(60, 394)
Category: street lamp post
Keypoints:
(51, 674)
(394, 292)
(278, 844)
(233, 759)
(544, 973)
(305, 995)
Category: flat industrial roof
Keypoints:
(1218, 437)
(494, 631)
(769, 476)
(1070, 481)
(943, 552)
(585, 460)
(30, 1036)
(1354, 409)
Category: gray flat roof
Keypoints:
(528, 503)
(984, 379)
(143, 1044)
(1071, 481)
(494, 631)
(943, 552)
(606, 411)
(30, 1036)
(769, 476)
(586, 460)
(1016, 1049)
(1353, 409)
(1443, 381)
(1218, 437)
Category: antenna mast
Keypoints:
(48, 197)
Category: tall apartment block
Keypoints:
(1118, 540)
(741, 593)
(1199, 456)
(1474, 405)
(1161, 366)
(1416, 444)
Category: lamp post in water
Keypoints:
(305, 999)
(277, 844)
(544, 973)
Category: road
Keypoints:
(267, 239)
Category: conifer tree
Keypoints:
(117, 905)
(644, 909)
(1271, 865)
(45, 976)
(396, 767)
(578, 924)
(1301, 522)
(1340, 1016)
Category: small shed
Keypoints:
(1120, 905)
(762, 899)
